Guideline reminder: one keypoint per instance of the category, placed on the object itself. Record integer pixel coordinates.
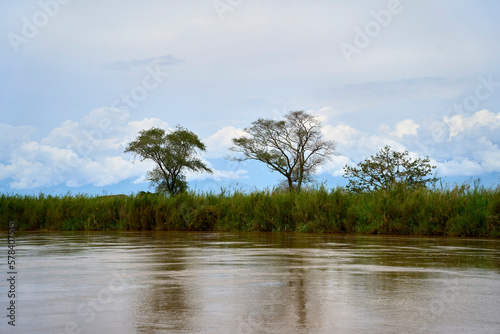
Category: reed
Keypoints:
(469, 211)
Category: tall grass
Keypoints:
(460, 211)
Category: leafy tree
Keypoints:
(387, 169)
(293, 147)
(174, 154)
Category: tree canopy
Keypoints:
(293, 147)
(387, 169)
(173, 153)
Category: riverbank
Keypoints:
(460, 211)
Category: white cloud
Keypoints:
(147, 123)
(342, 134)
(459, 167)
(405, 128)
(325, 114)
(90, 152)
(108, 171)
(12, 137)
(131, 129)
(219, 143)
(218, 175)
(99, 131)
(335, 166)
(34, 165)
(458, 123)
(473, 149)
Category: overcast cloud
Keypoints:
(80, 79)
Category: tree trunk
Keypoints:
(290, 183)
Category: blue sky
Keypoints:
(79, 79)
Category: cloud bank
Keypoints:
(87, 152)
(90, 151)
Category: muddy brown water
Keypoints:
(162, 282)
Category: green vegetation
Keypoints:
(471, 211)
(173, 153)
(388, 169)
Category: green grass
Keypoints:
(461, 211)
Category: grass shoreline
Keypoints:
(460, 211)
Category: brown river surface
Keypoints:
(162, 282)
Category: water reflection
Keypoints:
(255, 283)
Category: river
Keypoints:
(169, 282)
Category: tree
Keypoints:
(293, 147)
(387, 169)
(174, 154)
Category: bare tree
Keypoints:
(293, 147)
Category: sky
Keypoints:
(80, 79)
